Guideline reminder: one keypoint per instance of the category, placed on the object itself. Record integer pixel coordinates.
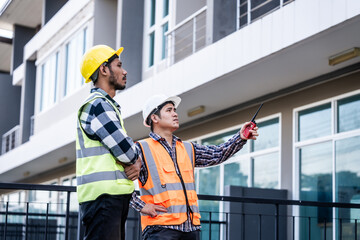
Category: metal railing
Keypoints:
(11, 139)
(251, 10)
(271, 222)
(187, 37)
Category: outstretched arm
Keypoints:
(210, 155)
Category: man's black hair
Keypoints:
(156, 111)
(95, 76)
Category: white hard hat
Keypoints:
(153, 102)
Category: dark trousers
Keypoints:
(170, 234)
(104, 218)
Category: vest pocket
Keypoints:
(168, 174)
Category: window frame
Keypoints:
(157, 30)
(248, 156)
(333, 138)
(60, 48)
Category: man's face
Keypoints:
(117, 74)
(168, 117)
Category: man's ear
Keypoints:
(102, 69)
(154, 118)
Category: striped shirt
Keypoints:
(205, 156)
(100, 122)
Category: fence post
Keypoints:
(325, 228)
(209, 225)
(47, 220)
(259, 229)
(277, 221)
(26, 220)
(309, 227)
(67, 215)
(6, 219)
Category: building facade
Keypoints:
(223, 58)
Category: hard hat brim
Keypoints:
(118, 52)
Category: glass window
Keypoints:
(269, 131)
(315, 185)
(314, 122)
(347, 152)
(151, 48)
(348, 114)
(152, 13)
(73, 54)
(266, 171)
(49, 81)
(165, 8)
(237, 173)
(316, 171)
(164, 45)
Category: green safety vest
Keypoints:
(97, 172)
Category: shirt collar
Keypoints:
(99, 90)
(158, 138)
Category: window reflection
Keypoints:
(237, 173)
(266, 171)
(315, 185)
(49, 81)
(269, 131)
(74, 51)
(349, 113)
(348, 176)
(314, 122)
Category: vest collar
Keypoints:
(158, 138)
(99, 90)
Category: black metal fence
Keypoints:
(276, 221)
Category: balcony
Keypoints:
(260, 218)
(190, 35)
(11, 139)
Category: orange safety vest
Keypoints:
(164, 187)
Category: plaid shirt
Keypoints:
(204, 156)
(100, 122)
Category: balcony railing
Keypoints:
(260, 219)
(11, 139)
(187, 37)
(251, 10)
(190, 35)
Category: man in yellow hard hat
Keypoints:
(107, 158)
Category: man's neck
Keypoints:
(166, 134)
(107, 89)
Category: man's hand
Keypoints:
(151, 209)
(132, 171)
(253, 132)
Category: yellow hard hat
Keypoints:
(94, 57)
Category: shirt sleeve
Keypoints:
(143, 175)
(104, 125)
(136, 203)
(210, 155)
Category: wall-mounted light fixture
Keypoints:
(196, 111)
(344, 56)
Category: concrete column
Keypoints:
(9, 104)
(224, 19)
(22, 35)
(27, 100)
(51, 7)
(132, 29)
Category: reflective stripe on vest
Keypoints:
(97, 172)
(169, 192)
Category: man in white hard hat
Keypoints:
(167, 172)
(107, 158)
